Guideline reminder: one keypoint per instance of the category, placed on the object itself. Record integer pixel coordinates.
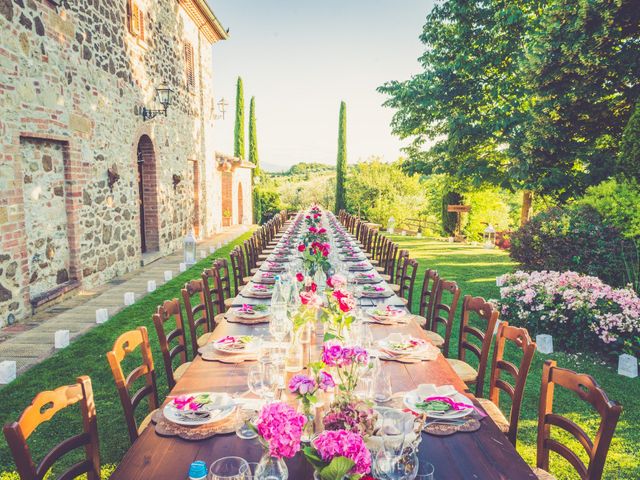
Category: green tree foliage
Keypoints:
(380, 190)
(306, 168)
(341, 164)
(253, 138)
(618, 202)
(238, 131)
(629, 157)
(450, 219)
(523, 94)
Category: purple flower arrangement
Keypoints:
(347, 360)
(349, 414)
(280, 428)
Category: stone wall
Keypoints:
(73, 82)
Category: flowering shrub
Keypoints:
(280, 429)
(580, 311)
(335, 454)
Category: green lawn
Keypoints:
(87, 356)
(475, 270)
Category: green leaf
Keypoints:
(314, 459)
(329, 336)
(337, 469)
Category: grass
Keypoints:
(475, 270)
(87, 356)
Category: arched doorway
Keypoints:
(147, 195)
(240, 209)
(227, 199)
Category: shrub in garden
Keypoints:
(581, 312)
(571, 238)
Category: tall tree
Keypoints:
(341, 164)
(238, 131)
(253, 157)
(253, 138)
(629, 157)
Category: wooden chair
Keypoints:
(123, 346)
(520, 337)
(195, 305)
(587, 389)
(43, 407)
(487, 314)
(400, 271)
(443, 312)
(171, 310)
(222, 266)
(239, 269)
(213, 295)
(408, 281)
(427, 295)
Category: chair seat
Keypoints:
(246, 280)
(368, 255)
(433, 337)
(263, 256)
(228, 302)
(394, 288)
(255, 270)
(421, 321)
(179, 372)
(145, 423)
(495, 413)
(542, 474)
(219, 318)
(372, 261)
(385, 277)
(204, 339)
(259, 263)
(404, 301)
(379, 269)
(465, 371)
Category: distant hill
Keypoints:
(304, 168)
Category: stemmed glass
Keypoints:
(279, 326)
(229, 468)
(262, 380)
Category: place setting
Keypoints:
(404, 348)
(257, 290)
(387, 315)
(249, 314)
(231, 349)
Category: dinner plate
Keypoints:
(249, 346)
(411, 398)
(386, 293)
(395, 338)
(173, 414)
(253, 314)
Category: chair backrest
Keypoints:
(588, 390)
(390, 262)
(427, 295)
(222, 266)
(248, 250)
(408, 280)
(400, 266)
(371, 241)
(123, 346)
(443, 312)
(486, 313)
(380, 248)
(521, 339)
(43, 407)
(213, 292)
(195, 305)
(171, 310)
(238, 268)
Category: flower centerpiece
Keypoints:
(350, 414)
(338, 312)
(279, 428)
(347, 362)
(315, 257)
(306, 388)
(338, 455)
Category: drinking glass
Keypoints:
(250, 470)
(243, 417)
(279, 326)
(229, 468)
(381, 386)
(426, 471)
(262, 380)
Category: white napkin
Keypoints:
(425, 390)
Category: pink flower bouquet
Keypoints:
(339, 453)
(280, 429)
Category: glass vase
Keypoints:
(271, 468)
(309, 428)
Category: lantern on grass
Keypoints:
(489, 236)
(190, 248)
(391, 224)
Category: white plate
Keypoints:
(172, 414)
(399, 338)
(255, 314)
(248, 348)
(411, 398)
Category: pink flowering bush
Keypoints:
(581, 312)
(280, 428)
(339, 453)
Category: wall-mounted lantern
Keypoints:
(176, 180)
(163, 96)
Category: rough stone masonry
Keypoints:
(86, 185)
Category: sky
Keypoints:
(300, 59)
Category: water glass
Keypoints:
(250, 470)
(426, 471)
(295, 357)
(243, 418)
(229, 468)
(262, 380)
(381, 386)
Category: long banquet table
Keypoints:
(482, 455)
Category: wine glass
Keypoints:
(279, 326)
(262, 380)
(382, 387)
(229, 468)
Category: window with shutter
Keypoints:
(136, 20)
(189, 70)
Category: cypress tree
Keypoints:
(628, 163)
(341, 164)
(253, 138)
(238, 132)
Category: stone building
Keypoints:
(88, 187)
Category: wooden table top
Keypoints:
(482, 455)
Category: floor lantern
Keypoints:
(190, 248)
(489, 237)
